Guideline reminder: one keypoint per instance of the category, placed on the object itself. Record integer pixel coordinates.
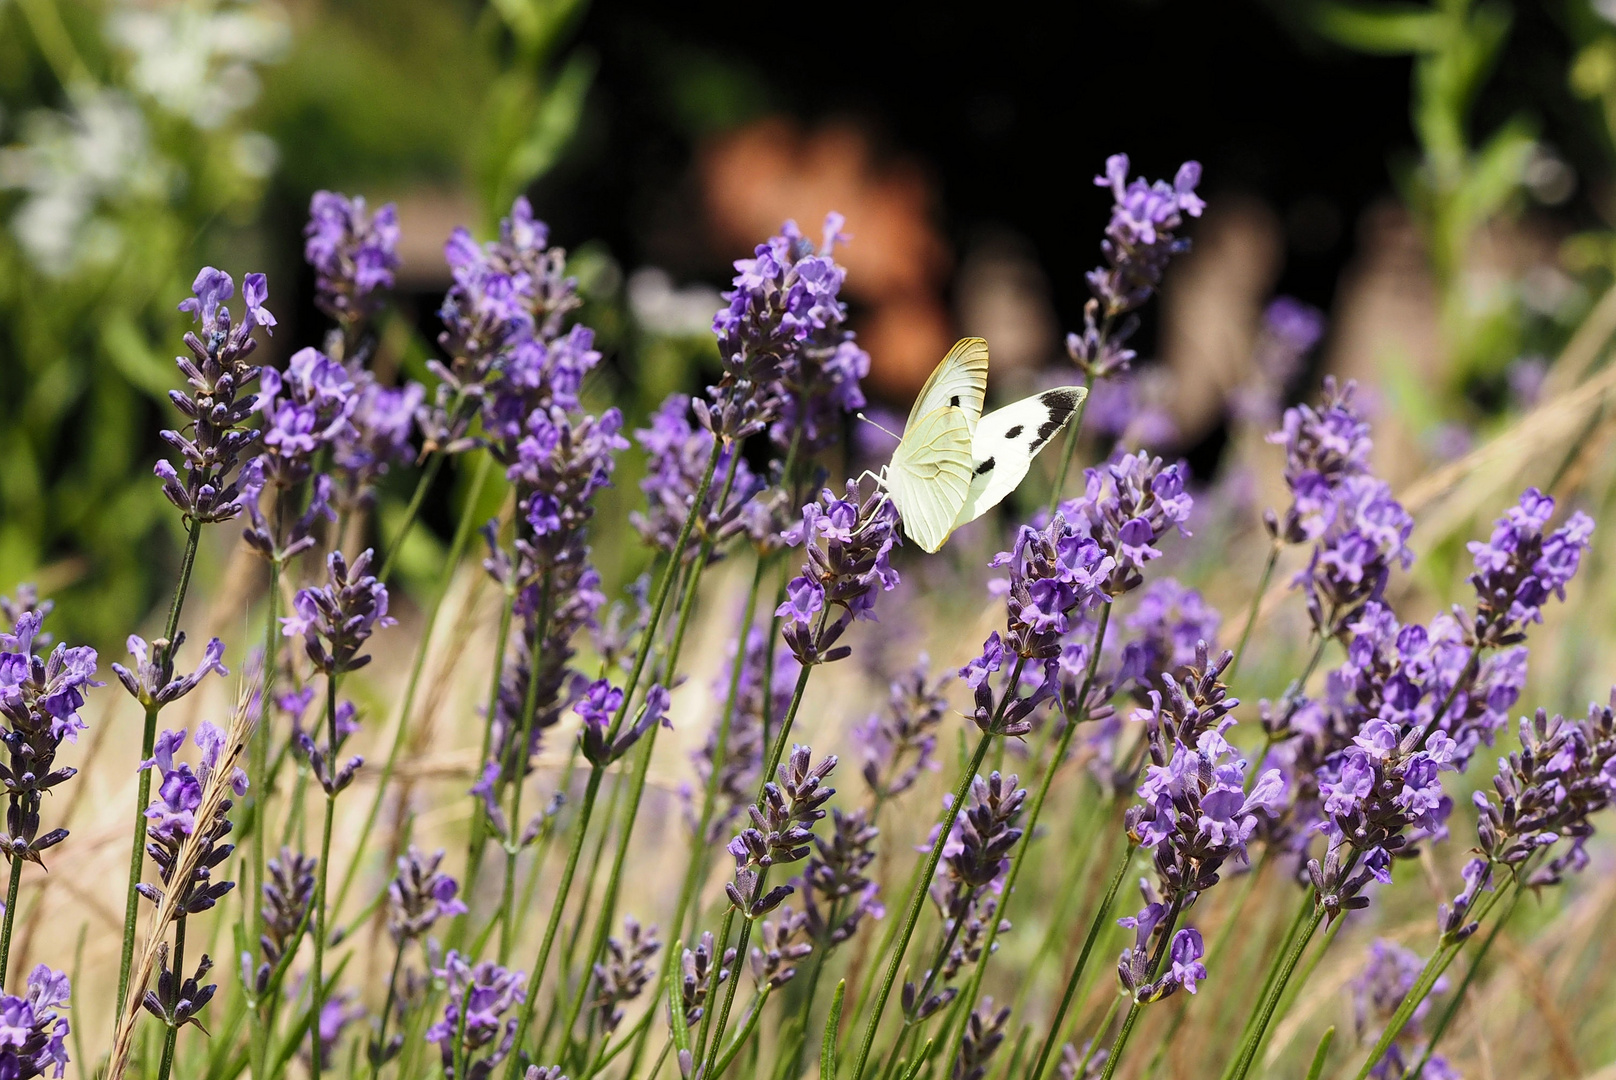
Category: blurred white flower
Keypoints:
(67, 163)
(197, 62)
(672, 312)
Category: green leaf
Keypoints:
(1392, 29)
(1321, 1053)
(675, 996)
(920, 1060)
(827, 1047)
(553, 124)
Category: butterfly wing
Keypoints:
(961, 381)
(1005, 442)
(930, 475)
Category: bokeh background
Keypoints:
(1452, 241)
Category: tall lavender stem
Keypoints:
(317, 982)
(148, 740)
(597, 772)
(1033, 812)
(917, 896)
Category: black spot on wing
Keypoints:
(954, 401)
(985, 467)
(1060, 403)
(1013, 432)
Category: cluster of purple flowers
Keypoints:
(288, 890)
(1377, 992)
(35, 1034)
(1127, 508)
(781, 831)
(1324, 447)
(846, 573)
(353, 254)
(1170, 626)
(474, 1030)
(1058, 576)
(678, 454)
(1141, 238)
(901, 743)
(1519, 568)
(40, 698)
(1288, 333)
(787, 358)
(836, 894)
(306, 409)
(218, 408)
(625, 972)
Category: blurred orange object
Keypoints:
(755, 177)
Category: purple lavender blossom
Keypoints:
(901, 743)
(337, 619)
(1169, 624)
(340, 1010)
(983, 1035)
(1140, 240)
(40, 698)
(353, 254)
(836, 894)
(1288, 333)
(1379, 989)
(781, 831)
(1324, 447)
(288, 890)
(419, 895)
(624, 973)
(217, 411)
(377, 436)
(35, 1033)
(845, 573)
(152, 682)
(486, 993)
(305, 410)
(1365, 537)
(598, 706)
(781, 342)
(678, 453)
(1127, 508)
(1519, 568)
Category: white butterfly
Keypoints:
(952, 463)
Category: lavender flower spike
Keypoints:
(34, 1039)
(152, 680)
(845, 573)
(335, 620)
(419, 895)
(353, 253)
(486, 993)
(1519, 568)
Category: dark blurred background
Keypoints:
(1429, 177)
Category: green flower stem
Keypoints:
(1134, 1009)
(742, 1035)
(478, 842)
(137, 854)
(1097, 1037)
(433, 464)
(1033, 813)
(670, 666)
(1429, 974)
(1256, 603)
(1102, 916)
(1078, 870)
(317, 985)
(917, 896)
(171, 1036)
(776, 751)
(387, 1012)
(1291, 931)
(11, 914)
(1451, 1009)
(260, 746)
(596, 772)
(1270, 1002)
(519, 764)
(1070, 449)
(457, 548)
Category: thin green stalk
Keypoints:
(1137, 1005)
(478, 842)
(1070, 449)
(917, 896)
(1451, 1009)
(260, 746)
(1068, 895)
(1095, 1039)
(10, 917)
(411, 512)
(670, 667)
(519, 751)
(171, 1036)
(462, 536)
(769, 767)
(380, 1045)
(1265, 1016)
(742, 1035)
(1251, 612)
(1101, 919)
(322, 876)
(1033, 813)
(1292, 930)
(131, 908)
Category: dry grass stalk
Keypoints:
(214, 794)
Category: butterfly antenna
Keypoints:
(878, 427)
